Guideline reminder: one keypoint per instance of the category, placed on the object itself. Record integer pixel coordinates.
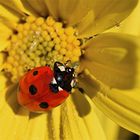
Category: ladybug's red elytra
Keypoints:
(42, 88)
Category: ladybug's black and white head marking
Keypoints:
(54, 86)
(64, 76)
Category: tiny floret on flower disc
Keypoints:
(37, 42)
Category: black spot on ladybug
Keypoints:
(35, 72)
(43, 105)
(54, 88)
(32, 89)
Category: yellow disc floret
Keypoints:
(38, 42)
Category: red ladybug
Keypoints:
(42, 88)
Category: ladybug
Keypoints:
(42, 88)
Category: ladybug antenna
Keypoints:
(75, 65)
(67, 62)
(81, 90)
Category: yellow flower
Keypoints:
(34, 32)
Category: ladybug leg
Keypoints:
(67, 63)
(73, 65)
(80, 89)
(28, 69)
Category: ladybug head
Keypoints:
(64, 76)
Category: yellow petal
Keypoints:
(15, 5)
(111, 128)
(52, 7)
(5, 33)
(132, 21)
(53, 121)
(39, 6)
(121, 106)
(85, 22)
(26, 7)
(11, 115)
(75, 127)
(37, 127)
(72, 11)
(69, 11)
(1, 60)
(3, 43)
(3, 82)
(108, 125)
(107, 13)
(2, 57)
(114, 59)
(7, 17)
(19, 128)
(85, 108)
(8, 14)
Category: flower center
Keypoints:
(38, 42)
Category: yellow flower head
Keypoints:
(37, 42)
(38, 32)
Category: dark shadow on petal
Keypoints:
(50, 124)
(28, 7)
(11, 97)
(112, 59)
(7, 22)
(11, 10)
(81, 103)
(37, 114)
(127, 135)
(34, 115)
(89, 84)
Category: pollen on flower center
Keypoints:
(38, 42)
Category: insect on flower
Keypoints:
(42, 88)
